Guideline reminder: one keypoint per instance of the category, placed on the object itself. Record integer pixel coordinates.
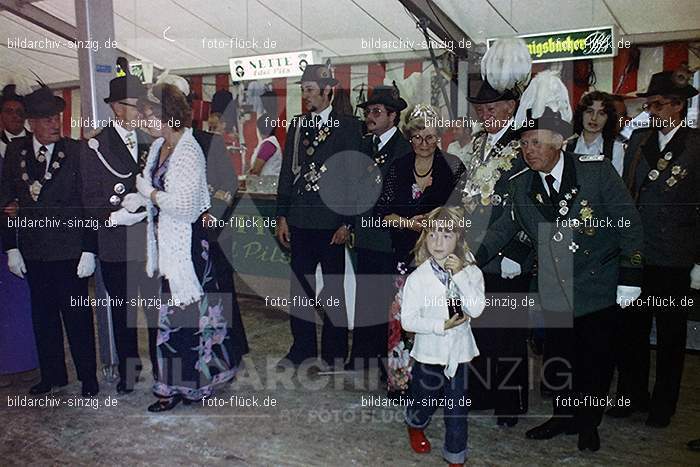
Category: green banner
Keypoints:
(570, 45)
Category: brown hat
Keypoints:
(319, 73)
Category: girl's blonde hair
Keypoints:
(443, 218)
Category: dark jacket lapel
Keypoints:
(539, 197)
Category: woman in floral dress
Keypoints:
(197, 347)
(416, 184)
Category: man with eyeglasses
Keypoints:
(111, 159)
(576, 209)
(499, 377)
(662, 172)
(313, 218)
(375, 266)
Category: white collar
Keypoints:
(38, 145)
(596, 147)
(10, 136)
(665, 138)
(123, 132)
(493, 138)
(557, 172)
(386, 136)
(324, 114)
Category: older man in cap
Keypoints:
(45, 241)
(312, 191)
(375, 265)
(111, 159)
(589, 237)
(662, 172)
(499, 377)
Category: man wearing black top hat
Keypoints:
(375, 265)
(588, 239)
(662, 172)
(45, 240)
(499, 376)
(11, 117)
(111, 159)
(311, 197)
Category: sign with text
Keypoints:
(570, 45)
(272, 66)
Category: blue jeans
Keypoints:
(430, 389)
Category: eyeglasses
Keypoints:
(375, 112)
(656, 105)
(418, 139)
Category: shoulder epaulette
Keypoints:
(591, 158)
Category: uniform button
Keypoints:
(556, 260)
(563, 280)
(587, 252)
(592, 273)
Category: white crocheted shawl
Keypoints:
(185, 198)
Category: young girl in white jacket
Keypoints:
(443, 345)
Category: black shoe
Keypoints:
(620, 412)
(123, 388)
(90, 388)
(694, 445)
(163, 405)
(508, 422)
(658, 421)
(43, 387)
(589, 440)
(551, 428)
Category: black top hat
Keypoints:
(42, 103)
(319, 73)
(487, 94)
(9, 94)
(670, 83)
(549, 120)
(386, 95)
(125, 87)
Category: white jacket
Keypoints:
(424, 312)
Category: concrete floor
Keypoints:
(317, 420)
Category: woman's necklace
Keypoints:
(425, 174)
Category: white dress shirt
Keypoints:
(557, 172)
(386, 136)
(596, 147)
(424, 312)
(124, 134)
(324, 114)
(49, 151)
(665, 138)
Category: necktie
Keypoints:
(41, 157)
(553, 193)
(130, 142)
(375, 144)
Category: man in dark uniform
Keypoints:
(42, 174)
(375, 264)
(11, 117)
(662, 172)
(111, 159)
(589, 237)
(312, 189)
(499, 376)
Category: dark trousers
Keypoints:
(581, 365)
(55, 291)
(123, 280)
(633, 353)
(375, 292)
(309, 248)
(429, 390)
(499, 375)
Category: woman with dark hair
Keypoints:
(197, 348)
(595, 123)
(416, 184)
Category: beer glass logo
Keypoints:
(302, 62)
(239, 69)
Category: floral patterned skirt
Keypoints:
(400, 344)
(198, 349)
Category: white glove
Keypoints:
(15, 263)
(124, 217)
(509, 268)
(627, 294)
(86, 265)
(695, 277)
(133, 201)
(144, 186)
